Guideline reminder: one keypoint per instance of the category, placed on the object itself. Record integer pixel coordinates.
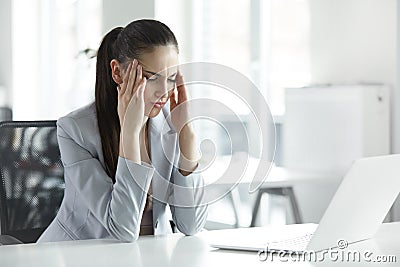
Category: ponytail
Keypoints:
(107, 101)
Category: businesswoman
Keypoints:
(122, 153)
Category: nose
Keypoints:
(162, 89)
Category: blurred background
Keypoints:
(329, 70)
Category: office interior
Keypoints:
(328, 69)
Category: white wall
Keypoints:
(121, 12)
(5, 52)
(356, 41)
(353, 41)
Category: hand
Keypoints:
(180, 115)
(131, 112)
(180, 119)
(131, 99)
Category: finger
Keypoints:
(141, 87)
(179, 79)
(132, 77)
(181, 88)
(173, 103)
(125, 80)
(138, 79)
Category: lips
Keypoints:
(159, 104)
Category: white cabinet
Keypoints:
(327, 127)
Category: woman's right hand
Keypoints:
(131, 99)
(131, 111)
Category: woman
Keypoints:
(115, 152)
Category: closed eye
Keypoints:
(152, 78)
(155, 76)
(172, 78)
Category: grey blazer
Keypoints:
(93, 207)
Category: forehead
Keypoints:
(161, 60)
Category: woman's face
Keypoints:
(160, 68)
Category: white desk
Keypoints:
(173, 250)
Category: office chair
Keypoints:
(32, 178)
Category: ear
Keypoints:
(116, 71)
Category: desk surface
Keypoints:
(175, 250)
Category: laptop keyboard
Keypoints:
(294, 244)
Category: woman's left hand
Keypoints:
(180, 118)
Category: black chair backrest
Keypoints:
(32, 178)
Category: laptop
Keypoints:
(355, 213)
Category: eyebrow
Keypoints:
(158, 75)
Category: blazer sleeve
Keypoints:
(119, 207)
(190, 217)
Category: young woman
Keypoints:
(122, 153)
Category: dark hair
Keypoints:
(124, 45)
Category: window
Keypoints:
(289, 57)
(208, 31)
(51, 76)
(268, 41)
